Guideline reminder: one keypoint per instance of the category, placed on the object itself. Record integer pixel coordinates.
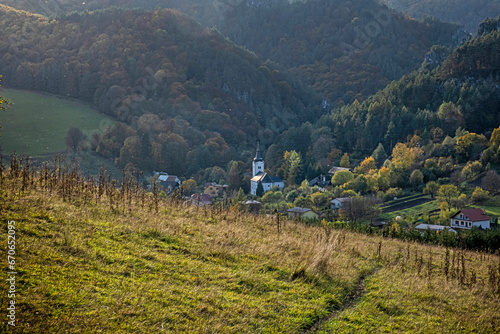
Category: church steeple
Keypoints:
(258, 156)
(258, 162)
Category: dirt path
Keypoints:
(350, 301)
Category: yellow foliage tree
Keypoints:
(366, 165)
(403, 157)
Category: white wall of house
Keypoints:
(485, 224)
(336, 204)
(467, 224)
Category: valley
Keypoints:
(246, 166)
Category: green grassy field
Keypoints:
(491, 206)
(36, 124)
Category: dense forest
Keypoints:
(187, 98)
(207, 12)
(180, 91)
(463, 12)
(345, 49)
(437, 105)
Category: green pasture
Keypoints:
(491, 206)
(36, 124)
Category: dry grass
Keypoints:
(101, 259)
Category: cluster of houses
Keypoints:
(464, 219)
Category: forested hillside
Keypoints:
(345, 49)
(463, 12)
(187, 97)
(435, 103)
(207, 12)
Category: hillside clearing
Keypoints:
(36, 124)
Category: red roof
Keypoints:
(475, 215)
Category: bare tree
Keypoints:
(491, 182)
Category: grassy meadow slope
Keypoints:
(37, 124)
(96, 258)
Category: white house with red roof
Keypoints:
(469, 218)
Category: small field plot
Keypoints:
(36, 124)
(412, 207)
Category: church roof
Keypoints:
(266, 178)
(262, 177)
(258, 156)
(276, 179)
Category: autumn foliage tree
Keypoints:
(448, 193)
(403, 157)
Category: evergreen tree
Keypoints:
(260, 190)
(379, 154)
(240, 197)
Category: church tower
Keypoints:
(258, 162)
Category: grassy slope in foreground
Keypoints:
(37, 124)
(86, 267)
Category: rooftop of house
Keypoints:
(252, 202)
(433, 227)
(334, 170)
(474, 215)
(164, 177)
(202, 198)
(216, 185)
(341, 199)
(299, 210)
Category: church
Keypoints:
(259, 176)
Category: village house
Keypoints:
(252, 206)
(338, 203)
(302, 214)
(259, 176)
(201, 199)
(469, 218)
(378, 224)
(321, 182)
(169, 182)
(215, 190)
